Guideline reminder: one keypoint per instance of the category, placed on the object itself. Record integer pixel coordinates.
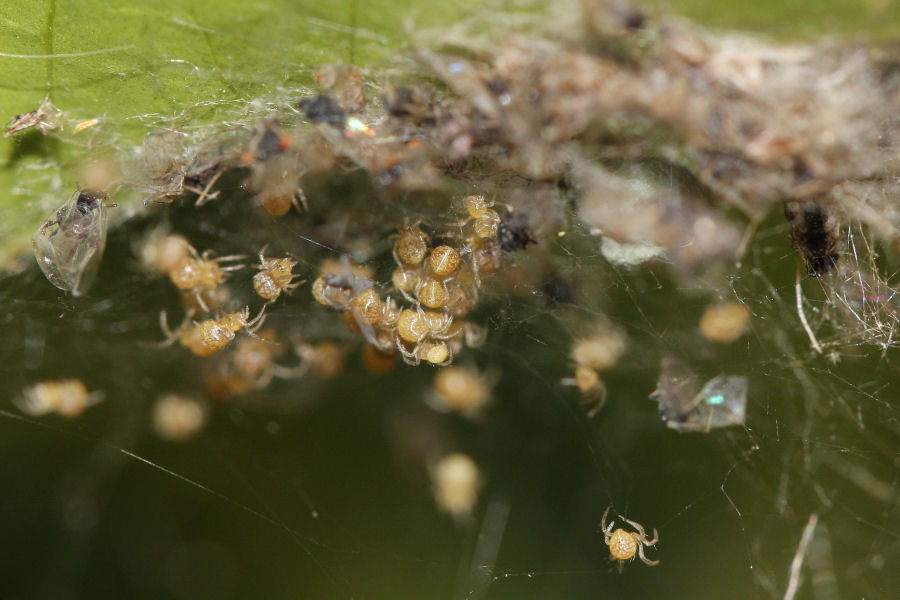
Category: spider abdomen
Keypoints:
(622, 545)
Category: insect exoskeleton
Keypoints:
(199, 272)
(275, 277)
(44, 118)
(69, 245)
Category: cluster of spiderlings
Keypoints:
(440, 282)
(200, 278)
(350, 289)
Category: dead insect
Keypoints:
(814, 233)
(159, 166)
(685, 405)
(344, 84)
(69, 245)
(514, 236)
(398, 100)
(268, 141)
(44, 118)
(274, 170)
(323, 109)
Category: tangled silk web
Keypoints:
(535, 227)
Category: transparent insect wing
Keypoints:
(721, 403)
(69, 245)
(676, 391)
(724, 398)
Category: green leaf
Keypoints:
(138, 66)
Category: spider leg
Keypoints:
(294, 285)
(164, 323)
(200, 301)
(171, 336)
(204, 194)
(293, 372)
(644, 558)
(302, 198)
(230, 258)
(408, 297)
(638, 527)
(196, 255)
(264, 379)
(258, 320)
(606, 530)
(408, 357)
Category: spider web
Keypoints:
(321, 488)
